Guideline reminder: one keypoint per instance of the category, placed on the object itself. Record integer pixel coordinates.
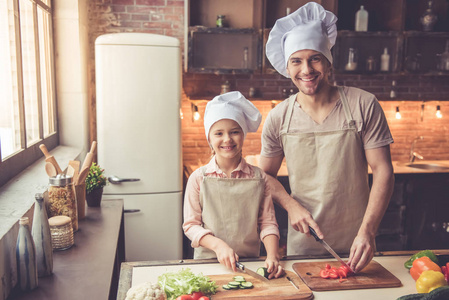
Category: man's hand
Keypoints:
(362, 252)
(301, 219)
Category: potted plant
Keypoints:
(95, 181)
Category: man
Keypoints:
(328, 135)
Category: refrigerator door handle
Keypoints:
(129, 211)
(115, 180)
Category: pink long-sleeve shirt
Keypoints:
(193, 225)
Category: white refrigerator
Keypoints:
(138, 95)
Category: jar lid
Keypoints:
(24, 221)
(61, 180)
(59, 220)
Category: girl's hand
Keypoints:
(274, 269)
(227, 257)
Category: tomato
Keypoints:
(197, 295)
(184, 297)
(333, 273)
(328, 266)
(204, 298)
(324, 274)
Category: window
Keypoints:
(27, 88)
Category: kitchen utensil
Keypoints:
(50, 169)
(70, 171)
(291, 281)
(93, 147)
(50, 158)
(87, 161)
(82, 176)
(250, 272)
(372, 276)
(327, 247)
(276, 288)
(76, 169)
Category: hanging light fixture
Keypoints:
(438, 113)
(195, 114)
(398, 113)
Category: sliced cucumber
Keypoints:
(226, 287)
(234, 283)
(246, 285)
(239, 279)
(262, 271)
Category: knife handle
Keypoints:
(240, 266)
(313, 233)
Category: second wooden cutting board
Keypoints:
(372, 276)
(279, 288)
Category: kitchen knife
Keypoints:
(250, 272)
(327, 247)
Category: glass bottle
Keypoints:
(361, 19)
(61, 199)
(26, 257)
(444, 58)
(42, 238)
(245, 58)
(352, 60)
(429, 18)
(385, 61)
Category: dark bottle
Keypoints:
(42, 238)
(26, 257)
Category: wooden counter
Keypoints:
(134, 273)
(90, 268)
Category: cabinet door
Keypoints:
(428, 212)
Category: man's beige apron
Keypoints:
(230, 209)
(328, 175)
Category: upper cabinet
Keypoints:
(403, 36)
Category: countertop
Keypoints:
(86, 270)
(133, 273)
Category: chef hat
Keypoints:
(310, 27)
(234, 106)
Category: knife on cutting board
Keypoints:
(250, 272)
(327, 247)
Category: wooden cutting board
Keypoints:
(279, 288)
(372, 276)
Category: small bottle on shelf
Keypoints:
(361, 19)
(385, 61)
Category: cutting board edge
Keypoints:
(352, 288)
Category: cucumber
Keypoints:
(262, 271)
(226, 287)
(239, 279)
(246, 285)
(234, 283)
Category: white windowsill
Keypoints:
(17, 195)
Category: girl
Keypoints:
(227, 204)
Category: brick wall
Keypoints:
(167, 17)
(435, 131)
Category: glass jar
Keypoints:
(220, 21)
(61, 199)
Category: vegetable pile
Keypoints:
(334, 273)
(145, 291)
(185, 282)
(425, 270)
(239, 282)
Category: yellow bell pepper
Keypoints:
(430, 280)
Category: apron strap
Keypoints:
(291, 101)
(348, 114)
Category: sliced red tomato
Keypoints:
(324, 274)
(328, 266)
(197, 295)
(333, 273)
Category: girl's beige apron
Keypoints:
(230, 209)
(328, 175)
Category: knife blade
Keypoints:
(328, 248)
(250, 272)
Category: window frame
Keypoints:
(18, 161)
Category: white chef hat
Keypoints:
(310, 27)
(234, 106)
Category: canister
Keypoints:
(61, 232)
(61, 198)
